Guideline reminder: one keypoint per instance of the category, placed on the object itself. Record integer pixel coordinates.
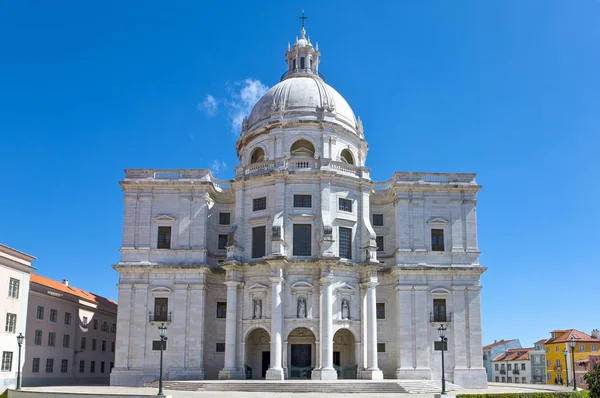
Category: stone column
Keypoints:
(230, 370)
(326, 370)
(372, 372)
(405, 332)
(275, 372)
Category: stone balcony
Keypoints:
(177, 175)
(301, 165)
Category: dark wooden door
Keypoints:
(266, 361)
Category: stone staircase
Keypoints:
(307, 386)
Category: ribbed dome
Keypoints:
(305, 96)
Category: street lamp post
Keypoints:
(162, 329)
(20, 339)
(572, 344)
(443, 339)
(565, 353)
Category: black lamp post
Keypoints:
(565, 353)
(20, 339)
(443, 339)
(572, 344)
(162, 329)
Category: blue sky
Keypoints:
(508, 89)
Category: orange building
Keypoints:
(559, 360)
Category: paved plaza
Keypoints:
(493, 388)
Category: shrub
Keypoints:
(592, 378)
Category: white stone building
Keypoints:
(301, 266)
(70, 336)
(15, 268)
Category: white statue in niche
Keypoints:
(257, 309)
(345, 310)
(301, 308)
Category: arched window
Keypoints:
(346, 157)
(258, 155)
(302, 148)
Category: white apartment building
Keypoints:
(15, 268)
(513, 366)
(70, 335)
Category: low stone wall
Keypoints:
(59, 394)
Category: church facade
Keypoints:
(301, 266)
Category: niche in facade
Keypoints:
(346, 156)
(258, 155)
(302, 148)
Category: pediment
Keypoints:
(258, 220)
(257, 287)
(161, 291)
(302, 217)
(437, 221)
(301, 286)
(439, 291)
(164, 219)
(344, 287)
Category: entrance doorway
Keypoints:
(344, 354)
(266, 362)
(301, 345)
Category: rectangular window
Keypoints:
(93, 344)
(161, 309)
(345, 242)
(64, 366)
(594, 347)
(156, 345)
(439, 310)
(522, 366)
(259, 204)
(39, 313)
(102, 367)
(67, 318)
(113, 328)
(66, 341)
(84, 322)
(104, 327)
(7, 357)
(496, 366)
(302, 240)
(302, 62)
(112, 346)
(164, 238)
(503, 379)
(557, 348)
(92, 366)
(378, 220)
(103, 345)
(83, 343)
(380, 309)
(224, 218)
(345, 205)
(221, 309)
(35, 366)
(11, 323)
(49, 365)
(379, 241)
(95, 324)
(220, 347)
(509, 367)
(547, 363)
(437, 240)
(497, 379)
(81, 366)
(524, 380)
(380, 347)
(38, 338)
(581, 347)
(51, 339)
(302, 200)
(558, 363)
(437, 346)
(53, 315)
(13, 288)
(258, 242)
(222, 244)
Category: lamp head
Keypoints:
(572, 342)
(442, 331)
(565, 352)
(20, 338)
(162, 330)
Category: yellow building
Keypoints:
(559, 358)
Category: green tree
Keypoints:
(592, 378)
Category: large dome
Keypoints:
(305, 98)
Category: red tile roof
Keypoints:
(52, 284)
(542, 341)
(514, 354)
(497, 343)
(563, 336)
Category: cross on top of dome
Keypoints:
(302, 58)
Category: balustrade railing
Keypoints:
(302, 71)
(345, 167)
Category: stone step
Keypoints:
(338, 386)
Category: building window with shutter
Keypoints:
(51, 339)
(439, 310)
(161, 309)
(345, 242)
(35, 366)
(64, 366)
(49, 365)
(258, 242)
(164, 238)
(11, 323)
(81, 366)
(40, 313)
(222, 243)
(259, 204)
(379, 242)
(224, 218)
(13, 288)
(302, 240)
(66, 341)
(53, 315)
(67, 318)
(38, 338)
(302, 201)
(437, 240)
(345, 205)
(378, 220)
(7, 358)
